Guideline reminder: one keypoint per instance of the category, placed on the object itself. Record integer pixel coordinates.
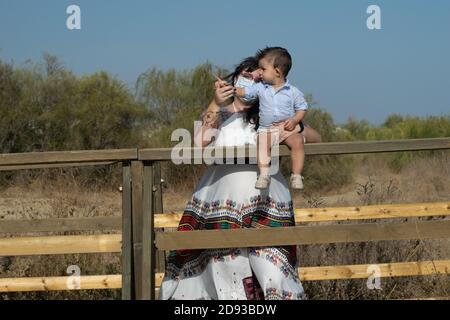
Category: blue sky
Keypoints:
(350, 70)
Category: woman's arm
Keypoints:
(209, 123)
(211, 117)
(215, 114)
(311, 135)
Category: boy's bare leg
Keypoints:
(296, 144)
(264, 152)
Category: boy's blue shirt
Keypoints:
(276, 105)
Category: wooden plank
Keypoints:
(127, 235)
(231, 238)
(57, 165)
(58, 157)
(157, 191)
(303, 215)
(61, 225)
(357, 147)
(160, 260)
(137, 171)
(25, 246)
(389, 211)
(158, 207)
(362, 271)
(402, 269)
(329, 148)
(148, 236)
(211, 239)
(167, 220)
(343, 272)
(60, 283)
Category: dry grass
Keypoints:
(423, 180)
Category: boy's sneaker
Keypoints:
(263, 182)
(296, 181)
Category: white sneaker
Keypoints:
(296, 181)
(263, 182)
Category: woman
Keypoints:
(225, 198)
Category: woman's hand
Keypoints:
(224, 91)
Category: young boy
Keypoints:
(282, 108)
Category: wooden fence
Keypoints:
(142, 222)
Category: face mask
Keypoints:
(243, 82)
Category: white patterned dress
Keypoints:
(225, 198)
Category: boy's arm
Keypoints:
(300, 108)
(247, 92)
(291, 123)
(299, 116)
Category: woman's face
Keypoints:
(247, 78)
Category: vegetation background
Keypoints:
(45, 107)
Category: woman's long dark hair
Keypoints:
(249, 64)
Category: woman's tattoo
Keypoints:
(210, 119)
(213, 119)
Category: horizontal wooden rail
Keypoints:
(56, 159)
(384, 211)
(344, 272)
(210, 239)
(61, 157)
(61, 225)
(400, 269)
(60, 283)
(302, 215)
(329, 148)
(60, 245)
(388, 211)
(56, 166)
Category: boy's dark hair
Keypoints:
(279, 56)
(250, 64)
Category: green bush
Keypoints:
(397, 127)
(45, 107)
(175, 99)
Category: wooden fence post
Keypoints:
(137, 215)
(148, 234)
(158, 208)
(158, 192)
(127, 235)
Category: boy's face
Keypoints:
(252, 75)
(256, 75)
(269, 74)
